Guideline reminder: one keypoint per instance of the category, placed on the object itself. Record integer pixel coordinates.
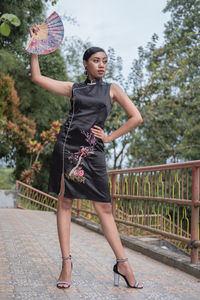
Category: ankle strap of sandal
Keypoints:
(121, 260)
(66, 258)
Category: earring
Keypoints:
(86, 73)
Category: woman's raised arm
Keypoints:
(56, 86)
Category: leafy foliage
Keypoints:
(15, 129)
(5, 19)
(170, 96)
(29, 12)
(35, 103)
(35, 148)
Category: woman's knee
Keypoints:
(101, 207)
(65, 203)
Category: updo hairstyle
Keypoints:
(92, 50)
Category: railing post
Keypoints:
(16, 185)
(78, 208)
(195, 213)
(113, 191)
(16, 189)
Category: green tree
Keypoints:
(170, 96)
(36, 103)
(15, 128)
(116, 150)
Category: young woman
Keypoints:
(78, 168)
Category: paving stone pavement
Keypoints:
(30, 262)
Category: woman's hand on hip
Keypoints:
(99, 133)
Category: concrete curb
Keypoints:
(167, 257)
(8, 199)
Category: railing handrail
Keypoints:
(172, 166)
(34, 189)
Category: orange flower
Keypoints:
(27, 176)
(34, 147)
(36, 166)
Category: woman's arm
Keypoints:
(59, 87)
(135, 118)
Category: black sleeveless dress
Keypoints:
(77, 152)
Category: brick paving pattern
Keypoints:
(30, 262)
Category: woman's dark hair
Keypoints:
(90, 51)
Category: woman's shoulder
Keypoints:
(105, 82)
(115, 87)
(116, 91)
(78, 85)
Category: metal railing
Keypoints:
(169, 192)
(31, 198)
(162, 200)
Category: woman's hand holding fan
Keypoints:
(33, 32)
(47, 37)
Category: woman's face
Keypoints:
(96, 65)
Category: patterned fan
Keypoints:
(49, 37)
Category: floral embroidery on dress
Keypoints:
(77, 174)
(77, 158)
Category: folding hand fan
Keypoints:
(49, 37)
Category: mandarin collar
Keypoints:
(93, 81)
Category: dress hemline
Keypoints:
(82, 197)
(85, 198)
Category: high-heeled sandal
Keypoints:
(117, 274)
(65, 282)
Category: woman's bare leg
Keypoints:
(104, 211)
(64, 208)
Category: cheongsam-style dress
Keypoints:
(77, 152)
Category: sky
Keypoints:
(121, 24)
